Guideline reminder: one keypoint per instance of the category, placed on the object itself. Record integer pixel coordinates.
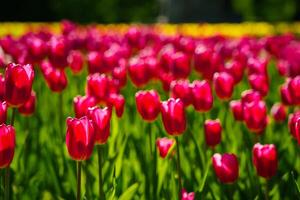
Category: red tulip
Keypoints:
(212, 131)
(226, 167)
(187, 196)
(148, 104)
(202, 97)
(236, 70)
(119, 74)
(173, 116)
(75, 61)
(7, 145)
(81, 105)
(181, 66)
(181, 89)
(101, 120)
(98, 86)
(56, 78)
(3, 112)
(202, 61)
(164, 146)
(80, 138)
(224, 85)
(255, 116)
(259, 83)
(2, 88)
(28, 107)
(294, 125)
(278, 112)
(118, 102)
(237, 109)
(286, 97)
(257, 66)
(294, 89)
(95, 62)
(265, 159)
(249, 96)
(18, 83)
(138, 72)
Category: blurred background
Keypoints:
(150, 11)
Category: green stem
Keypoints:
(6, 193)
(267, 190)
(78, 179)
(60, 113)
(101, 192)
(150, 140)
(178, 169)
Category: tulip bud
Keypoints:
(18, 83)
(286, 97)
(173, 116)
(265, 159)
(278, 112)
(101, 120)
(28, 107)
(80, 138)
(3, 112)
(56, 79)
(118, 102)
(181, 89)
(98, 86)
(7, 145)
(212, 131)
(237, 109)
(148, 104)
(224, 85)
(226, 167)
(75, 61)
(164, 146)
(81, 105)
(119, 74)
(249, 96)
(187, 196)
(202, 97)
(202, 61)
(255, 116)
(236, 70)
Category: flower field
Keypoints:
(163, 111)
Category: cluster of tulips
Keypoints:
(216, 64)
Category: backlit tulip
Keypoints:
(202, 97)
(3, 112)
(95, 62)
(181, 89)
(173, 116)
(75, 61)
(80, 138)
(265, 159)
(278, 112)
(164, 145)
(28, 107)
(187, 196)
(237, 109)
(18, 83)
(148, 104)
(255, 116)
(7, 145)
(212, 131)
(138, 72)
(81, 105)
(226, 167)
(224, 85)
(98, 86)
(101, 120)
(118, 102)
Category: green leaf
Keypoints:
(129, 193)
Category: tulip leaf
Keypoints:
(129, 193)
